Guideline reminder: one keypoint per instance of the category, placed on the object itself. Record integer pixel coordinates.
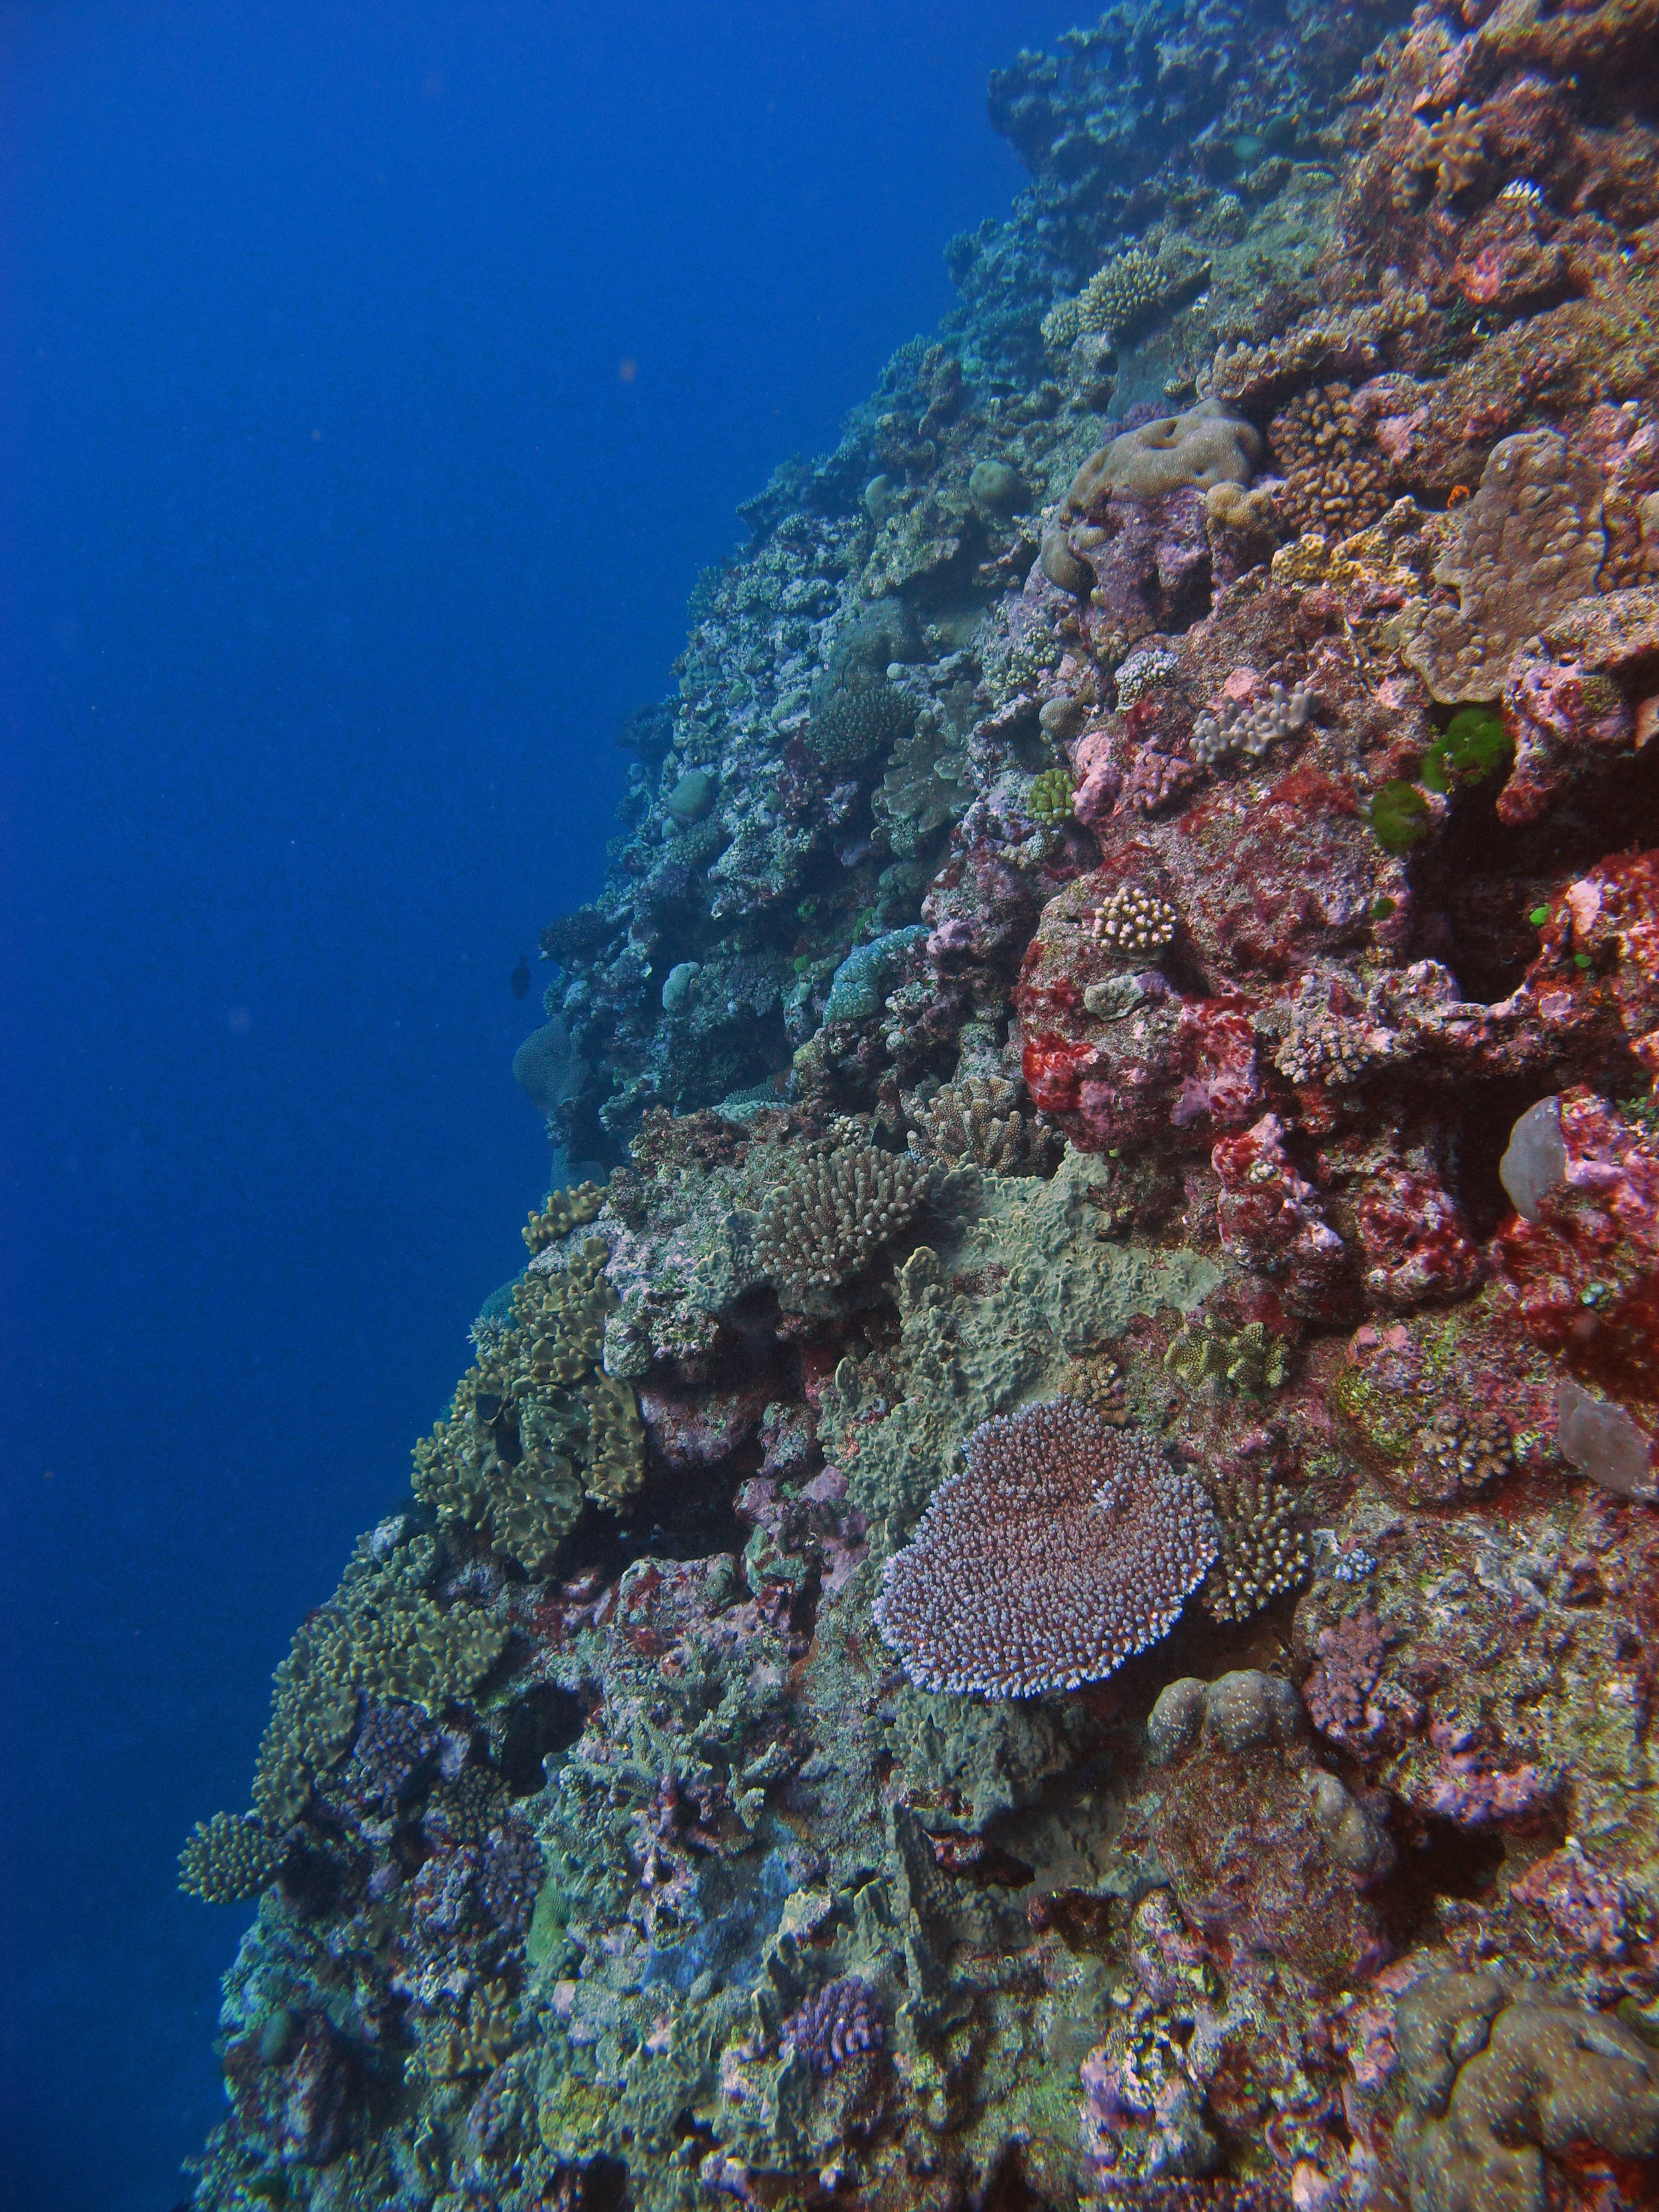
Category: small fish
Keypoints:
(521, 978)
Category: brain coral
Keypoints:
(1063, 1547)
(1529, 543)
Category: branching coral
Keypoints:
(1135, 923)
(1451, 149)
(533, 1423)
(1262, 1552)
(1049, 798)
(229, 1859)
(857, 717)
(974, 1121)
(1336, 482)
(565, 1210)
(826, 1219)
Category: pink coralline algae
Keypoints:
(1588, 1906)
(1063, 1547)
(1271, 1220)
(1416, 1243)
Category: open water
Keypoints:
(373, 384)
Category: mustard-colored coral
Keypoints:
(380, 1636)
(536, 1423)
(565, 1210)
(228, 1860)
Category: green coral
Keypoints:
(1049, 799)
(382, 1635)
(536, 1423)
(565, 1210)
(1400, 816)
(1471, 749)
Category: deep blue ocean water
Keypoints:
(334, 541)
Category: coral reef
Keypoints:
(1045, 1597)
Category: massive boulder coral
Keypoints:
(1506, 2079)
(1527, 544)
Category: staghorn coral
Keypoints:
(565, 1210)
(1262, 1552)
(1529, 543)
(229, 1859)
(974, 1122)
(1130, 289)
(1064, 1547)
(824, 1221)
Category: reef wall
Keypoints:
(1048, 1595)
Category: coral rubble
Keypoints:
(1044, 1593)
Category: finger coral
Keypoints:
(974, 1121)
(1063, 1547)
(824, 1222)
(229, 1859)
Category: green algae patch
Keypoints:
(993, 1320)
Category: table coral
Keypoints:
(1063, 1547)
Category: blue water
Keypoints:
(334, 541)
